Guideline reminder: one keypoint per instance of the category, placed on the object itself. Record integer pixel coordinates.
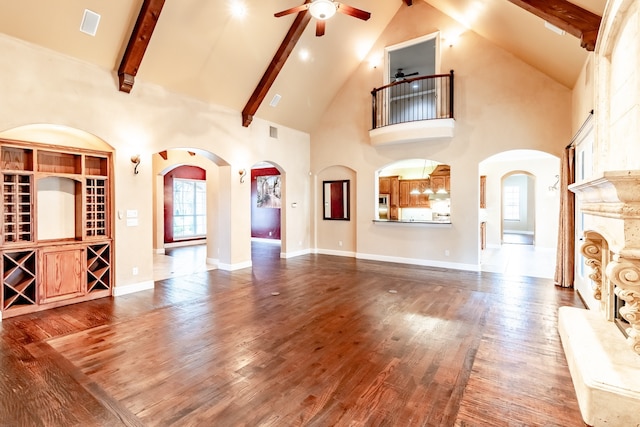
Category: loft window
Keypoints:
(189, 208)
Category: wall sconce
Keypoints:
(554, 187)
(242, 173)
(135, 159)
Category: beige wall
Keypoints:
(39, 86)
(501, 104)
(547, 203)
(618, 88)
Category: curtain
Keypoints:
(565, 256)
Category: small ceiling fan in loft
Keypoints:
(325, 9)
(400, 76)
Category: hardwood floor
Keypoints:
(346, 342)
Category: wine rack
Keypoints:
(96, 203)
(98, 267)
(52, 260)
(18, 279)
(17, 208)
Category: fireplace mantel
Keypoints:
(605, 367)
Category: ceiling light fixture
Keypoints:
(322, 9)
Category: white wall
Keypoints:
(547, 203)
(39, 86)
(500, 104)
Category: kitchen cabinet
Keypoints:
(412, 193)
(440, 182)
(384, 185)
(394, 197)
(441, 178)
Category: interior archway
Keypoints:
(536, 259)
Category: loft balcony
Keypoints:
(413, 109)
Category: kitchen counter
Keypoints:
(410, 221)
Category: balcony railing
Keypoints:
(413, 99)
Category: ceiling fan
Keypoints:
(399, 76)
(323, 10)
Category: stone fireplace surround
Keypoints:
(604, 364)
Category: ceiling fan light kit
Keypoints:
(322, 9)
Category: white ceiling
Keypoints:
(200, 50)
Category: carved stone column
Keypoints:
(592, 250)
(624, 273)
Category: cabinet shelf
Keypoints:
(72, 256)
(18, 279)
(16, 159)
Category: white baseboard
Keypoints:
(421, 262)
(179, 243)
(233, 267)
(336, 253)
(295, 254)
(269, 241)
(135, 287)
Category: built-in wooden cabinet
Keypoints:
(441, 178)
(56, 243)
(384, 185)
(394, 197)
(413, 193)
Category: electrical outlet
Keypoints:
(446, 252)
(135, 271)
(340, 243)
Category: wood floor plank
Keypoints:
(334, 348)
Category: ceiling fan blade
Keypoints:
(352, 11)
(296, 9)
(412, 74)
(320, 25)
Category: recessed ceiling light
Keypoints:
(304, 54)
(90, 21)
(238, 9)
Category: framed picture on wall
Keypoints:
(269, 191)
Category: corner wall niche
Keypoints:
(56, 242)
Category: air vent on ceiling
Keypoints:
(90, 22)
(275, 100)
(273, 132)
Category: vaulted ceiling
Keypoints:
(200, 49)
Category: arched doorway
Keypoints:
(187, 236)
(537, 172)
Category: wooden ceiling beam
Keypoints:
(567, 16)
(138, 42)
(278, 61)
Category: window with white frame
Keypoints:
(511, 203)
(189, 208)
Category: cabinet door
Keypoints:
(394, 195)
(61, 274)
(438, 183)
(405, 196)
(384, 186)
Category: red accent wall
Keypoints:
(185, 172)
(263, 220)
